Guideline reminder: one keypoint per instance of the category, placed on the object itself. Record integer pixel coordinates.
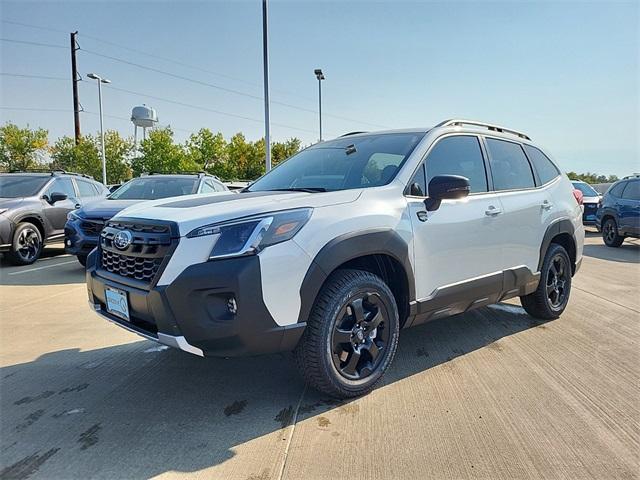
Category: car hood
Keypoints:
(104, 208)
(193, 211)
(10, 203)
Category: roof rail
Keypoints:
(633, 175)
(495, 128)
(351, 133)
(199, 173)
(53, 172)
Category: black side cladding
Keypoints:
(556, 228)
(348, 247)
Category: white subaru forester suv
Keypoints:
(338, 248)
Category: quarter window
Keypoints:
(632, 191)
(458, 155)
(207, 188)
(616, 190)
(545, 168)
(509, 165)
(418, 184)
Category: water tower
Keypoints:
(145, 117)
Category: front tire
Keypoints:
(26, 246)
(610, 233)
(351, 335)
(552, 295)
(82, 259)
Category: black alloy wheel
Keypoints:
(27, 244)
(558, 275)
(610, 233)
(360, 336)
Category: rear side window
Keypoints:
(509, 165)
(616, 190)
(86, 189)
(632, 191)
(458, 155)
(545, 168)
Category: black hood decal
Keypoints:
(209, 200)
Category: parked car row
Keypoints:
(41, 208)
(618, 215)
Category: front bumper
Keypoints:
(213, 308)
(76, 242)
(6, 234)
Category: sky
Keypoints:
(566, 73)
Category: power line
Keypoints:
(205, 109)
(37, 44)
(35, 109)
(39, 27)
(153, 55)
(229, 90)
(43, 77)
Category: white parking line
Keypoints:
(41, 268)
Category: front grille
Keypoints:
(92, 227)
(151, 242)
(590, 207)
(138, 268)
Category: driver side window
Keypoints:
(62, 185)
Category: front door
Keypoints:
(56, 213)
(459, 243)
(629, 209)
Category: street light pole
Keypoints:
(320, 77)
(265, 59)
(100, 81)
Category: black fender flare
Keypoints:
(381, 241)
(556, 228)
(30, 214)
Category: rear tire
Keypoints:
(351, 335)
(26, 246)
(610, 233)
(552, 295)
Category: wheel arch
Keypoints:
(35, 220)
(561, 232)
(381, 251)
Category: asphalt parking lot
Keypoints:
(490, 394)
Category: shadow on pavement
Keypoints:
(138, 410)
(628, 252)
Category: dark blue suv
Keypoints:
(619, 213)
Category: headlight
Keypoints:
(249, 235)
(73, 215)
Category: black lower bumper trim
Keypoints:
(217, 306)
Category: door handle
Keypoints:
(546, 205)
(492, 211)
(422, 215)
(76, 206)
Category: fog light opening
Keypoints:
(232, 306)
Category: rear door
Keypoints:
(461, 240)
(629, 210)
(87, 191)
(527, 210)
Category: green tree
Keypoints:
(85, 157)
(159, 153)
(209, 152)
(280, 151)
(592, 177)
(22, 148)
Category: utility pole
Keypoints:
(75, 79)
(265, 58)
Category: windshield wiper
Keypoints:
(299, 189)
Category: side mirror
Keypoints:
(57, 197)
(446, 187)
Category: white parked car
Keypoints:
(590, 200)
(334, 251)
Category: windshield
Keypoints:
(586, 189)
(150, 188)
(14, 186)
(341, 164)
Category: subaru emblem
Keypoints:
(122, 239)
